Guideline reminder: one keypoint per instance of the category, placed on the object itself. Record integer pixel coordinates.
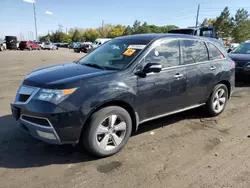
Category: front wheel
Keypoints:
(107, 131)
(218, 100)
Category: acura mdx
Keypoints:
(100, 99)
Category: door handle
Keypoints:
(178, 76)
(212, 68)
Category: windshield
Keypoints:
(47, 43)
(243, 48)
(116, 54)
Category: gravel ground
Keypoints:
(186, 150)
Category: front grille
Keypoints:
(23, 98)
(240, 63)
(38, 121)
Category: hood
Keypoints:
(62, 76)
(239, 57)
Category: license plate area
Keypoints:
(15, 112)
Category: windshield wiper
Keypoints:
(94, 65)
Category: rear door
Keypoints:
(164, 92)
(194, 56)
(216, 61)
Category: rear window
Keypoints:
(23, 42)
(193, 51)
(214, 52)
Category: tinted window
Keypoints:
(166, 53)
(193, 51)
(214, 53)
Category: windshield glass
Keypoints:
(47, 43)
(243, 48)
(116, 54)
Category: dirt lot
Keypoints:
(184, 151)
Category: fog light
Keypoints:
(46, 135)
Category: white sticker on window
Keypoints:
(139, 47)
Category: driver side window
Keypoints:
(165, 53)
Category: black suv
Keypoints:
(100, 99)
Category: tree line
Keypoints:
(237, 26)
(107, 31)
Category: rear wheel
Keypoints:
(218, 100)
(107, 131)
(1, 48)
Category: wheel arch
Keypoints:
(228, 85)
(133, 114)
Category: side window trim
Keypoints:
(208, 42)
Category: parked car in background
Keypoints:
(85, 48)
(2, 45)
(49, 46)
(41, 44)
(29, 45)
(100, 99)
(232, 46)
(100, 41)
(241, 57)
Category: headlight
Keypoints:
(54, 96)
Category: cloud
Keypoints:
(29, 1)
(48, 12)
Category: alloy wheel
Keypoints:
(219, 100)
(111, 132)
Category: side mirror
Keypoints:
(152, 67)
(229, 50)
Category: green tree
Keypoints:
(60, 36)
(241, 23)
(223, 23)
(208, 21)
(104, 31)
(91, 35)
(136, 27)
(116, 31)
(128, 31)
(77, 36)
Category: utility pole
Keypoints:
(102, 28)
(197, 17)
(34, 7)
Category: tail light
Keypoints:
(233, 64)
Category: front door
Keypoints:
(164, 92)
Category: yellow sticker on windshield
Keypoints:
(129, 52)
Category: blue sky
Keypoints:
(17, 15)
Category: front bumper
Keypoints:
(46, 134)
(46, 121)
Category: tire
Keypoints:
(216, 108)
(30, 48)
(94, 143)
(1, 48)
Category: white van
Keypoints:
(100, 41)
